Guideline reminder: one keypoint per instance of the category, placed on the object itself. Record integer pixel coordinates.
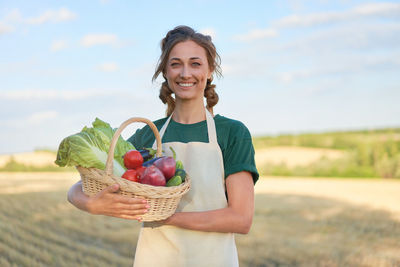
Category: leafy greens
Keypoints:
(89, 148)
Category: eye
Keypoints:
(173, 64)
(196, 64)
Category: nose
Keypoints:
(185, 73)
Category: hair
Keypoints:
(182, 34)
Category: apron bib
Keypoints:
(167, 245)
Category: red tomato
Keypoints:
(139, 172)
(133, 159)
(130, 175)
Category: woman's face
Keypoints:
(187, 71)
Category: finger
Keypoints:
(137, 214)
(129, 200)
(132, 212)
(110, 189)
(122, 206)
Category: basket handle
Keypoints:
(110, 157)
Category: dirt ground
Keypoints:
(293, 156)
(374, 193)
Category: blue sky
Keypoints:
(288, 66)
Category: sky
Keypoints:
(288, 66)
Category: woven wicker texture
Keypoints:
(163, 201)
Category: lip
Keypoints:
(186, 84)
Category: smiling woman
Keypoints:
(217, 152)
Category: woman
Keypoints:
(216, 152)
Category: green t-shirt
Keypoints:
(233, 138)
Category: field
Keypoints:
(298, 222)
(366, 153)
(330, 199)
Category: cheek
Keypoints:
(169, 75)
(201, 75)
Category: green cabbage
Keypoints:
(89, 148)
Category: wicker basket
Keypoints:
(163, 201)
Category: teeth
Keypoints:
(186, 84)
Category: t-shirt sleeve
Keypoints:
(239, 152)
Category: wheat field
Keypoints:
(291, 227)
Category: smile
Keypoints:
(186, 84)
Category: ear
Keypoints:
(164, 74)
(210, 73)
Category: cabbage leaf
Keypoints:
(89, 148)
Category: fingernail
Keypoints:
(147, 206)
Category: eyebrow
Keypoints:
(192, 58)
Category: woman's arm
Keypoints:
(236, 218)
(106, 202)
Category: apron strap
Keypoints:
(162, 131)
(212, 132)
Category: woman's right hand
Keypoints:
(108, 203)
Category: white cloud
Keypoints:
(380, 9)
(342, 50)
(99, 39)
(344, 65)
(383, 10)
(108, 67)
(5, 28)
(33, 119)
(361, 11)
(13, 17)
(344, 38)
(256, 34)
(62, 14)
(11, 20)
(209, 31)
(42, 116)
(30, 94)
(310, 19)
(58, 45)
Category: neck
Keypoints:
(189, 113)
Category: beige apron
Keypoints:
(172, 246)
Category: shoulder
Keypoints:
(144, 136)
(231, 127)
(158, 123)
(236, 145)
